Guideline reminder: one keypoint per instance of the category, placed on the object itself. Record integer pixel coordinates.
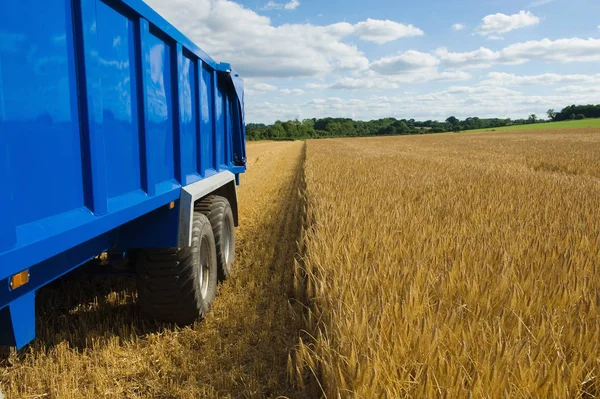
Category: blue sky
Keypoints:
(425, 59)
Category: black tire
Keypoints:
(179, 284)
(218, 211)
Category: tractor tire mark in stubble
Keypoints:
(262, 286)
(291, 226)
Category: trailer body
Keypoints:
(112, 123)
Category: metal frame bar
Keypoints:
(192, 193)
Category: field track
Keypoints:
(91, 342)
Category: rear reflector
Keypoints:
(19, 279)
(172, 205)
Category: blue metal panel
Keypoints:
(155, 19)
(18, 321)
(238, 140)
(219, 126)
(47, 238)
(144, 74)
(116, 49)
(228, 124)
(40, 126)
(188, 120)
(207, 154)
(160, 108)
(90, 97)
(157, 229)
(176, 62)
(8, 237)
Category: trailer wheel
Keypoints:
(218, 211)
(179, 284)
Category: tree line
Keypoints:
(346, 127)
(575, 112)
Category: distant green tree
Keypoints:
(276, 131)
(346, 127)
(452, 120)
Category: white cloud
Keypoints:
(457, 27)
(408, 61)
(561, 50)
(374, 81)
(256, 48)
(538, 3)
(480, 58)
(408, 67)
(292, 5)
(379, 31)
(258, 88)
(295, 92)
(461, 101)
(316, 86)
(229, 32)
(272, 5)
(363, 83)
(496, 24)
(509, 79)
(327, 54)
(573, 89)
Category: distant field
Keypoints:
(548, 126)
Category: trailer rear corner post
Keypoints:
(18, 321)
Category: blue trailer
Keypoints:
(117, 135)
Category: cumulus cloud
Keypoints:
(457, 27)
(408, 61)
(272, 5)
(496, 24)
(561, 50)
(316, 86)
(374, 81)
(258, 87)
(257, 48)
(538, 3)
(509, 79)
(410, 67)
(574, 89)
(295, 92)
(292, 5)
(379, 31)
(461, 101)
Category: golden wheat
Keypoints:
(453, 265)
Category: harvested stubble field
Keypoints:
(455, 265)
(93, 344)
(448, 265)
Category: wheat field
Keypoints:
(454, 265)
(448, 265)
